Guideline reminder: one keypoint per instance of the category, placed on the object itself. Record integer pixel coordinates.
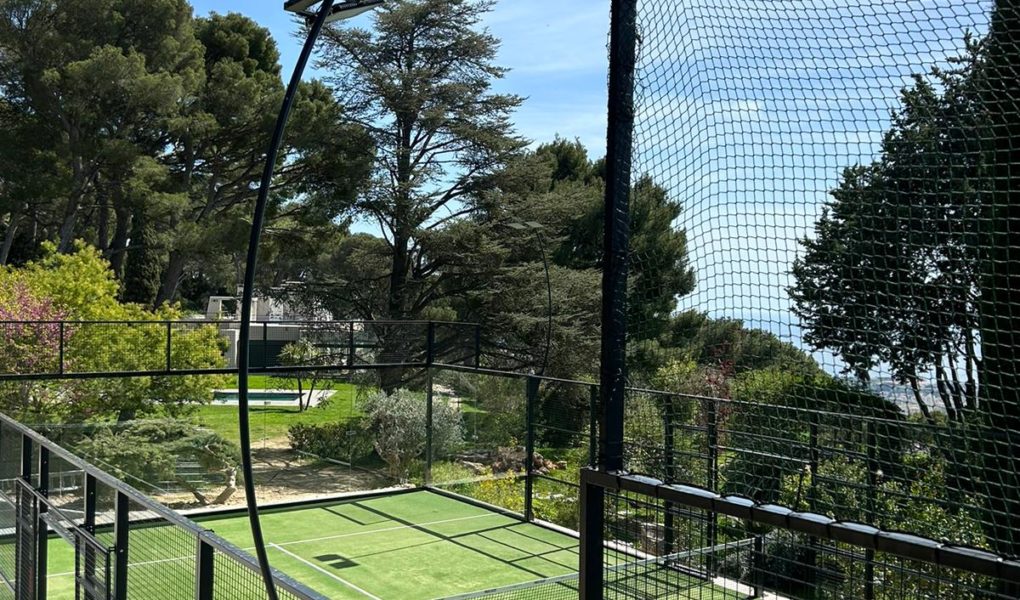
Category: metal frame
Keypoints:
(344, 328)
(867, 537)
(95, 476)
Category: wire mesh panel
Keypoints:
(106, 538)
(26, 523)
(489, 463)
(657, 544)
(840, 329)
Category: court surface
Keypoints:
(418, 545)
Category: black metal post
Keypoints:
(26, 458)
(204, 571)
(42, 529)
(669, 447)
(22, 556)
(89, 525)
(61, 349)
(350, 344)
(265, 344)
(247, 295)
(429, 426)
(169, 346)
(593, 425)
(814, 459)
(593, 520)
(759, 565)
(613, 375)
(712, 452)
(478, 346)
(430, 343)
(531, 396)
(121, 532)
(869, 558)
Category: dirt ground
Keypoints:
(282, 475)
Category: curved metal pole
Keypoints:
(248, 293)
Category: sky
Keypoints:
(555, 50)
(747, 112)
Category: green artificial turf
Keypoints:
(409, 546)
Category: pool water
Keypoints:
(256, 396)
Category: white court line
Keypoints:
(130, 564)
(383, 529)
(325, 572)
(319, 539)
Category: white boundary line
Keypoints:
(325, 572)
(383, 529)
(296, 542)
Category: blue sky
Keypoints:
(556, 50)
(747, 112)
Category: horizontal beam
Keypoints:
(903, 545)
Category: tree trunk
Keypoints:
(67, 227)
(171, 278)
(9, 235)
(118, 245)
(921, 404)
(394, 343)
(103, 222)
(1000, 289)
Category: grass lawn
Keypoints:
(271, 422)
(413, 546)
(272, 382)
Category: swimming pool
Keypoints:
(256, 396)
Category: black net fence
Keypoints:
(822, 283)
(678, 541)
(524, 442)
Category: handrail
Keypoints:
(900, 544)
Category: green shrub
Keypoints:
(398, 427)
(345, 441)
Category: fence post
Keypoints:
(61, 348)
(265, 344)
(669, 446)
(712, 453)
(593, 425)
(759, 565)
(593, 520)
(23, 559)
(869, 554)
(429, 451)
(169, 346)
(813, 463)
(120, 534)
(350, 344)
(430, 343)
(616, 248)
(204, 571)
(42, 529)
(529, 447)
(478, 346)
(89, 525)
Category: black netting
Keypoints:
(821, 291)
